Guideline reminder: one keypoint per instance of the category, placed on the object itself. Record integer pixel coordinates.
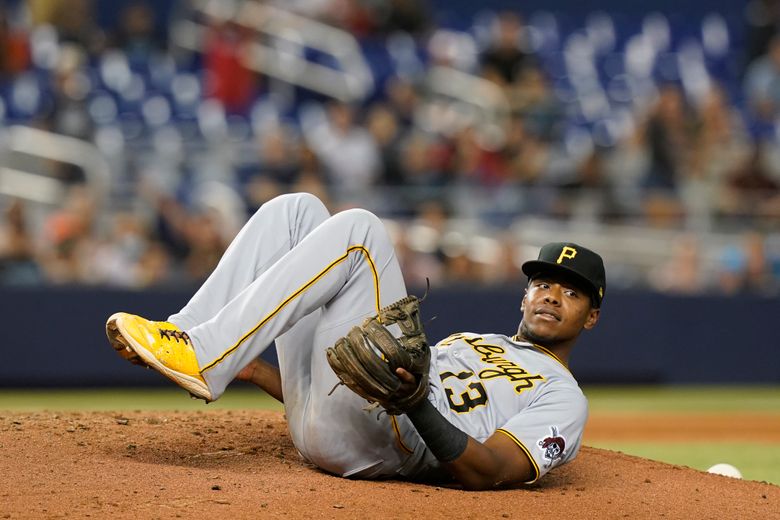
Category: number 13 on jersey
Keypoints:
(474, 396)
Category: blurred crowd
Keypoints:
(197, 141)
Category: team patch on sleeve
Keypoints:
(554, 447)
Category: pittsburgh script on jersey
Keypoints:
(503, 367)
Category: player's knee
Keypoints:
(309, 206)
(305, 200)
(294, 203)
(361, 218)
(296, 200)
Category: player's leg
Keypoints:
(294, 349)
(275, 229)
(331, 427)
(344, 270)
(278, 226)
(338, 431)
(311, 275)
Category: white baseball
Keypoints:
(727, 470)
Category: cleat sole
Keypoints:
(138, 355)
(120, 344)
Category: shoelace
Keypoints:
(174, 334)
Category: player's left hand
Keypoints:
(408, 381)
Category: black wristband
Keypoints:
(446, 441)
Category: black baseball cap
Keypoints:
(574, 261)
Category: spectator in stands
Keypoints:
(311, 177)
(589, 194)
(422, 179)
(18, 263)
(418, 268)
(136, 33)
(383, 125)
(532, 99)
(404, 100)
(115, 260)
(276, 168)
(751, 189)
(154, 266)
(719, 143)
(525, 155)
(277, 154)
(353, 16)
(499, 261)
(227, 79)
(474, 163)
(683, 272)
(459, 266)
(668, 136)
(205, 244)
(762, 21)
(419, 245)
(170, 220)
(14, 47)
(69, 234)
(762, 84)
(720, 137)
(261, 189)
(67, 113)
(74, 21)
(409, 16)
(747, 268)
(348, 152)
(504, 61)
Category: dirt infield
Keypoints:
(241, 464)
(736, 427)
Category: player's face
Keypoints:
(555, 311)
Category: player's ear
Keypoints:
(522, 302)
(593, 318)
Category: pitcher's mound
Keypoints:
(241, 464)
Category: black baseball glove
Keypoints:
(366, 358)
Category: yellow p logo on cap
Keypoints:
(566, 252)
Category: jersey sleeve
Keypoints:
(550, 430)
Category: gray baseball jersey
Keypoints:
(490, 382)
(297, 275)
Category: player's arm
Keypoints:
(264, 375)
(495, 463)
(498, 461)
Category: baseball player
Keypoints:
(494, 410)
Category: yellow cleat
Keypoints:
(159, 345)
